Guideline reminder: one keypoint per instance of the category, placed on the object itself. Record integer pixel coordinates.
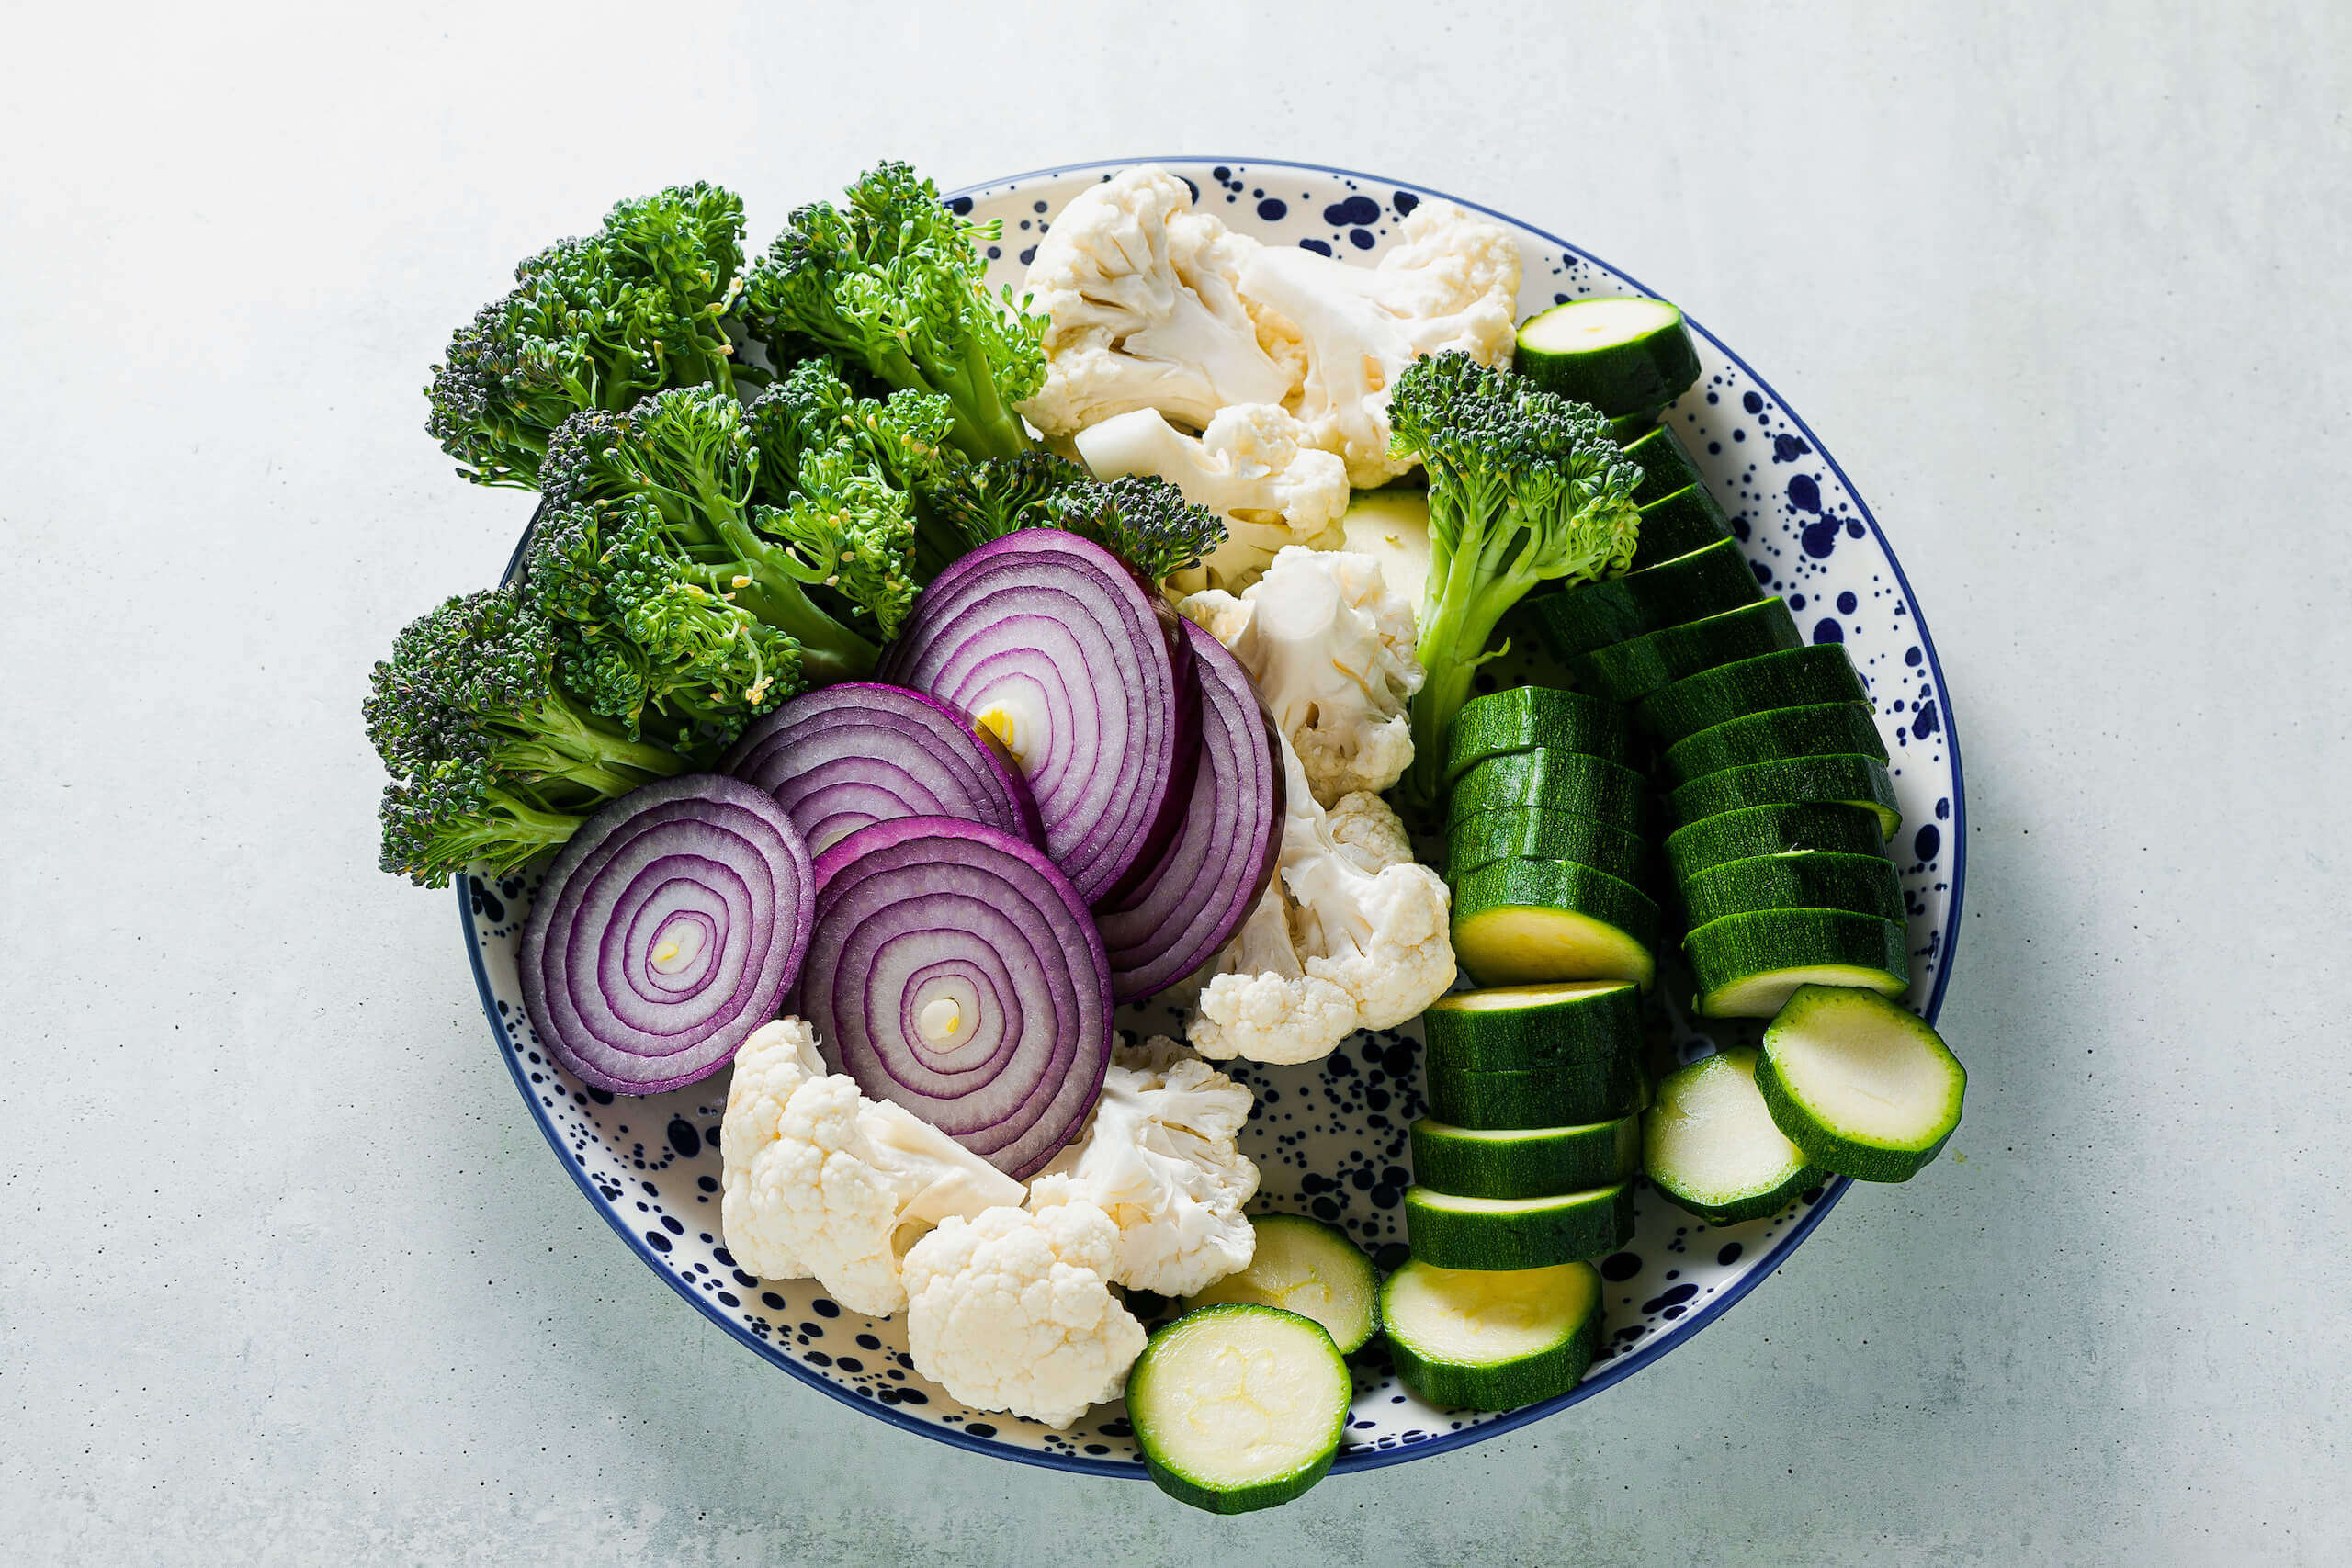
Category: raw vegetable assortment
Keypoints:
(882, 751)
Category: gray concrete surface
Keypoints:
(291, 1277)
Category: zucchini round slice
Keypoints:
(1865, 885)
(1238, 1406)
(1489, 1339)
(1517, 1232)
(1307, 1267)
(1673, 525)
(1517, 1029)
(1710, 1146)
(1863, 1086)
(1624, 356)
(1836, 781)
(1818, 729)
(1747, 965)
(1795, 678)
(1666, 464)
(1556, 781)
(1518, 922)
(1568, 1096)
(1536, 718)
(1627, 671)
(1771, 830)
(1706, 582)
(1530, 832)
(1537, 1162)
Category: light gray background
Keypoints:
(288, 1274)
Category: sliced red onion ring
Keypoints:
(952, 969)
(667, 930)
(842, 757)
(1193, 898)
(1053, 644)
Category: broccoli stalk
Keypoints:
(1525, 488)
(689, 454)
(896, 285)
(594, 324)
(490, 758)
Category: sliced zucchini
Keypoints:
(1490, 1339)
(1517, 1232)
(1627, 671)
(1516, 1029)
(1536, 718)
(1519, 922)
(1238, 1406)
(1707, 581)
(1690, 519)
(1530, 832)
(1710, 1146)
(1836, 781)
(1307, 1267)
(1556, 781)
(1666, 464)
(1392, 526)
(1866, 885)
(1623, 356)
(1817, 729)
(1747, 965)
(1531, 1162)
(1860, 1083)
(1571, 1095)
(1795, 678)
(1771, 830)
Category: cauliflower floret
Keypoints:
(1160, 1160)
(1335, 945)
(1139, 290)
(1252, 465)
(1013, 1310)
(820, 1182)
(1452, 283)
(1331, 652)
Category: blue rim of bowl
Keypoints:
(1618, 1367)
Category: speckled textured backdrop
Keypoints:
(2064, 292)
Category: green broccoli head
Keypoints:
(987, 500)
(1146, 521)
(593, 323)
(1525, 488)
(895, 283)
(436, 824)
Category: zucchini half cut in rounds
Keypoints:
(1238, 1406)
(1865, 1086)
(1489, 1339)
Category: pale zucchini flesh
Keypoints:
(1238, 1406)
(1307, 1267)
(1866, 1087)
(1489, 1339)
(1521, 922)
(1711, 1147)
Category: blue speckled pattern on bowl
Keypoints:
(1329, 1137)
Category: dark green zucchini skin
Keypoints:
(1666, 464)
(1529, 718)
(1533, 1032)
(1771, 830)
(1817, 729)
(1706, 582)
(1676, 524)
(1839, 780)
(1627, 671)
(1529, 832)
(1865, 885)
(1556, 781)
(1796, 678)
(1629, 377)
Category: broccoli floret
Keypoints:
(490, 756)
(1525, 488)
(1146, 521)
(895, 284)
(594, 324)
(690, 455)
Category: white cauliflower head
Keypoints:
(1452, 283)
(1139, 290)
(1252, 465)
(1350, 934)
(1013, 1310)
(820, 1182)
(1160, 1158)
(1331, 652)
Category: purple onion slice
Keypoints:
(954, 970)
(842, 757)
(667, 930)
(1196, 894)
(1051, 643)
